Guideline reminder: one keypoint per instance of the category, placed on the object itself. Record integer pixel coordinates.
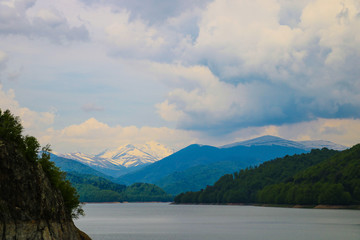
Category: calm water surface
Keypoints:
(160, 221)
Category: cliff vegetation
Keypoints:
(36, 201)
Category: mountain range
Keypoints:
(194, 167)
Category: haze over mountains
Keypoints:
(193, 167)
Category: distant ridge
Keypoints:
(269, 140)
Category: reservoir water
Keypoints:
(163, 221)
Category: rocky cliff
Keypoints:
(30, 208)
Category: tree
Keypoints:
(11, 133)
(10, 127)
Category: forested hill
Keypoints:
(97, 189)
(335, 181)
(253, 185)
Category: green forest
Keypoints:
(319, 177)
(97, 189)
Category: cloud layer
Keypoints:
(262, 71)
(210, 71)
(93, 136)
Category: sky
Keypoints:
(86, 75)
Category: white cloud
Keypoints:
(239, 38)
(169, 111)
(32, 121)
(93, 136)
(134, 39)
(336, 25)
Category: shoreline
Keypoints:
(320, 206)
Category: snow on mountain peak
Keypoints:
(156, 149)
(127, 155)
(269, 140)
(266, 140)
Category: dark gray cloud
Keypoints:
(47, 24)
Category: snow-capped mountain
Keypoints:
(124, 156)
(272, 140)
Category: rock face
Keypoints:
(29, 207)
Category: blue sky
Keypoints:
(88, 75)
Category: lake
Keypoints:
(160, 221)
